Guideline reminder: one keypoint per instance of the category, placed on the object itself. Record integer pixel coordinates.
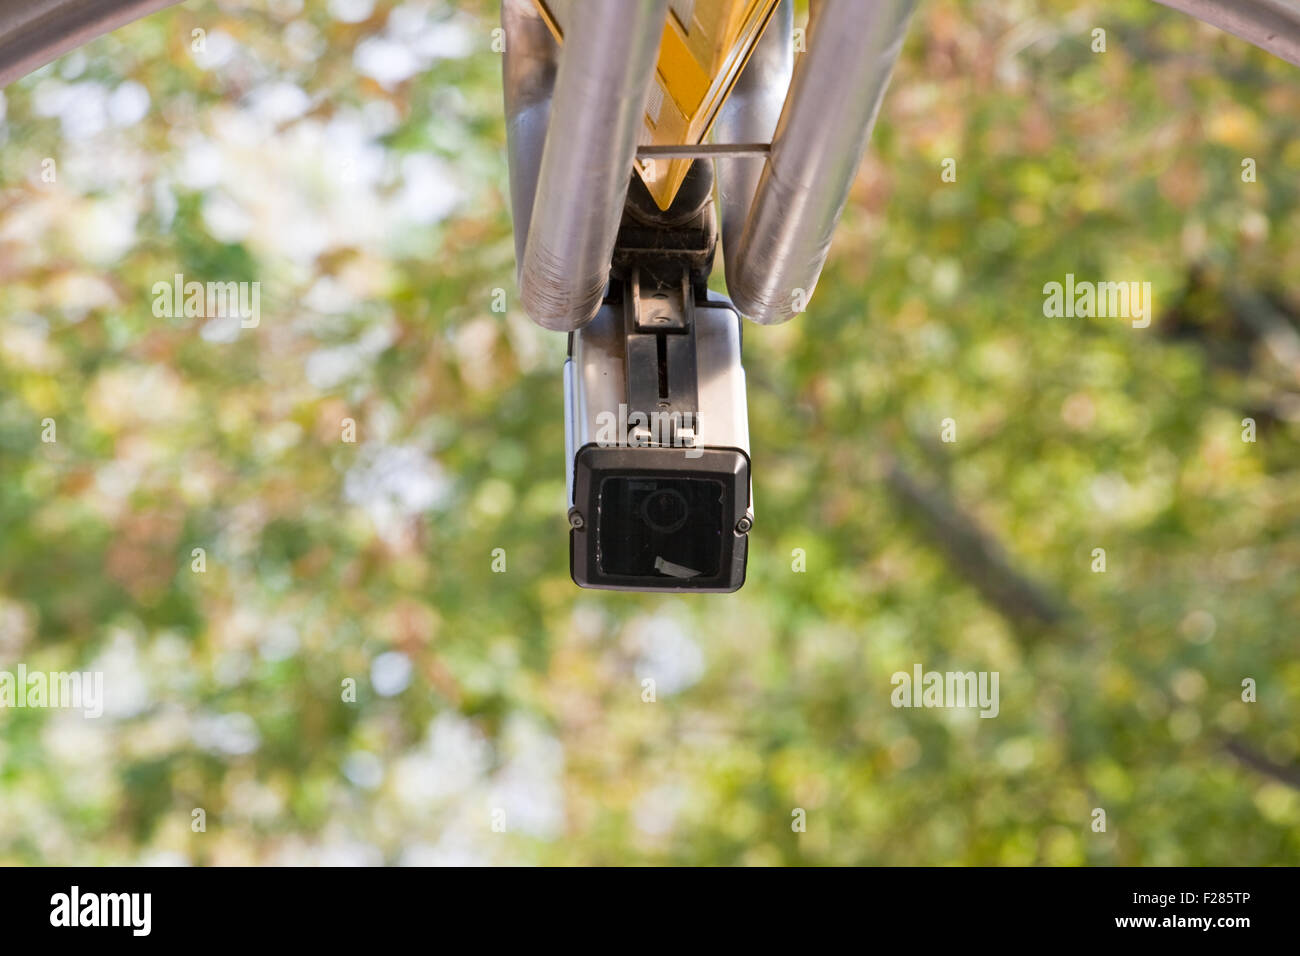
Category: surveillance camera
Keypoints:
(657, 441)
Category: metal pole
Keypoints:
(597, 116)
(34, 32)
(1272, 25)
(820, 140)
(749, 115)
(528, 78)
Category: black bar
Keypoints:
(329, 907)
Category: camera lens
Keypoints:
(665, 510)
(646, 523)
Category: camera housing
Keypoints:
(659, 491)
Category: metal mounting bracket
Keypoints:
(659, 356)
(706, 151)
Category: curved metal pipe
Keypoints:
(34, 32)
(528, 78)
(597, 115)
(1272, 25)
(750, 115)
(820, 139)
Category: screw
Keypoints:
(576, 521)
(744, 524)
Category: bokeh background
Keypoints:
(349, 156)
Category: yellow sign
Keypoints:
(705, 46)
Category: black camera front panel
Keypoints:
(657, 519)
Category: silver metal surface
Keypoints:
(750, 115)
(820, 139)
(595, 381)
(528, 77)
(597, 114)
(705, 151)
(34, 32)
(724, 417)
(1272, 25)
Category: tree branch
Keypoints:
(973, 553)
(1256, 761)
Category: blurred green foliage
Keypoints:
(349, 157)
